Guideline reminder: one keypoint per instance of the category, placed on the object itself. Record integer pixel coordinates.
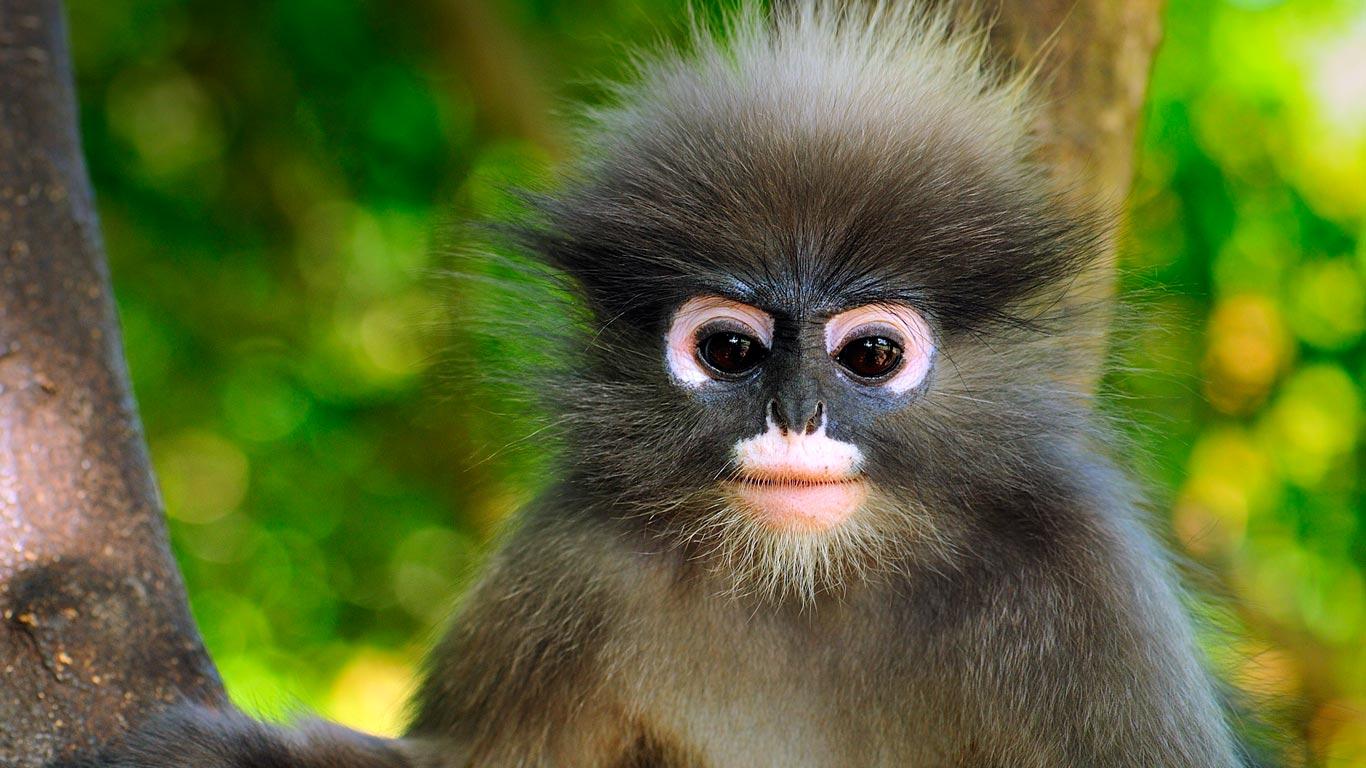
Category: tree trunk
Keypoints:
(1094, 57)
(95, 631)
(94, 627)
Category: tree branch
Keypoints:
(94, 627)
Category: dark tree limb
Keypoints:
(94, 627)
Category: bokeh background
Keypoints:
(281, 182)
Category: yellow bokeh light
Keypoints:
(1269, 672)
(369, 692)
(1314, 423)
(1248, 347)
(1231, 478)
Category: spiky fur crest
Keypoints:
(794, 135)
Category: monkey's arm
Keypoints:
(1093, 662)
(195, 736)
(521, 678)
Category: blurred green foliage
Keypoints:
(275, 179)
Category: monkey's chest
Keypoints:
(739, 692)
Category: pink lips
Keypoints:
(797, 481)
(813, 503)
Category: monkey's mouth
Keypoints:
(800, 501)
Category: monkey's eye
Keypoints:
(730, 353)
(887, 345)
(870, 357)
(712, 338)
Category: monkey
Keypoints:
(829, 493)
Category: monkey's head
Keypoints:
(820, 264)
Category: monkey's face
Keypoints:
(795, 389)
(785, 410)
(815, 328)
(809, 385)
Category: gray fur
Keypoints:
(1004, 605)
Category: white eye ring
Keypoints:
(695, 314)
(897, 321)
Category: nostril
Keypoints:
(772, 414)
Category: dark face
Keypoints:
(810, 355)
(801, 387)
(772, 464)
(797, 392)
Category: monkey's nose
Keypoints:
(808, 415)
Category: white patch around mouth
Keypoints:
(798, 481)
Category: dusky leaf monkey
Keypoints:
(828, 495)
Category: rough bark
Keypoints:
(94, 627)
(95, 630)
